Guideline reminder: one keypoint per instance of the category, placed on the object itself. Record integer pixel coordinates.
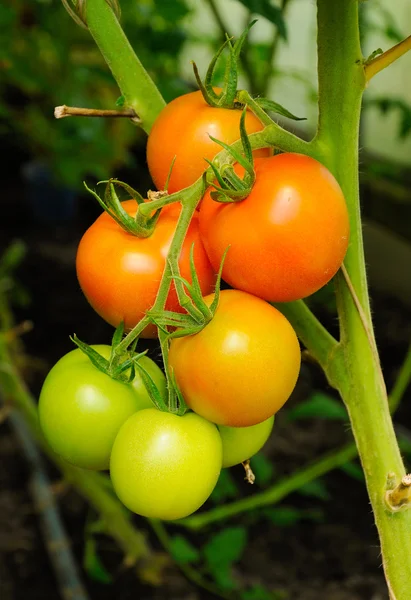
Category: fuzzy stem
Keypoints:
(387, 58)
(341, 84)
(137, 87)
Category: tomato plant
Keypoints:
(81, 408)
(241, 443)
(120, 273)
(288, 237)
(182, 130)
(241, 368)
(165, 466)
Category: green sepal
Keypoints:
(127, 364)
(274, 107)
(117, 336)
(227, 97)
(169, 173)
(101, 363)
(151, 387)
(141, 226)
(181, 407)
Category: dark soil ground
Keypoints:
(335, 559)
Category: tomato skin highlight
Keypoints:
(241, 443)
(81, 408)
(242, 367)
(164, 466)
(288, 238)
(182, 130)
(120, 273)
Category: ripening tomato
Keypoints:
(288, 238)
(120, 273)
(182, 130)
(241, 443)
(81, 408)
(164, 466)
(241, 368)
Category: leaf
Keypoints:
(263, 469)
(320, 406)
(268, 10)
(226, 547)
(284, 516)
(92, 563)
(315, 488)
(225, 488)
(258, 592)
(182, 550)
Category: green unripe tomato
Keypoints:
(164, 466)
(241, 443)
(81, 409)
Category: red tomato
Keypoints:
(182, 130)
(120, 273)
(288, 238)
(241, 368)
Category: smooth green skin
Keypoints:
(164, 466)
(81, 409)
(241, 443)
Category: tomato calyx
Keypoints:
(227, 97)
(231, 188)
(142, 225)
(122, 366)
(198, 312)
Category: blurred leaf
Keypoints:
(12, 257)
(226, 547)
(387, 105)
(222, 550)
(315, 488)
(258, 592)
(92, 564)
(225, 488)
(283, 516)
(182, 550)
(270, 11)
(172, 11)
(321, 406)
(353, 470)
(263, 469)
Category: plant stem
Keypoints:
(275, 493)
(387, 58)
(137, 87)
(60, 112)
(341, 84)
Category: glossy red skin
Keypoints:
(120, 273)
(242, 367)
(288, 238)
(182, 130)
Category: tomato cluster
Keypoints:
(286, 239)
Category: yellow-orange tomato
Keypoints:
(241, 368)
(288, 238)
(120, 273)
(182, 130)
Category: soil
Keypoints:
(335, 558)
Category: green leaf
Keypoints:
(92, 563)
(353, 470)
(263, 469)
(315, 488)
(226, 547)
(182, 550)
(12, 257)
(268, 10)
(320, 406)
(225, 488)
(258, 592)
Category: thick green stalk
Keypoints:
(137, 87)
(341, 84)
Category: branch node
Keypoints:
(399, 498)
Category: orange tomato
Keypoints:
(288, 238)
(182, 130)
(242, 367)
(120, 273)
